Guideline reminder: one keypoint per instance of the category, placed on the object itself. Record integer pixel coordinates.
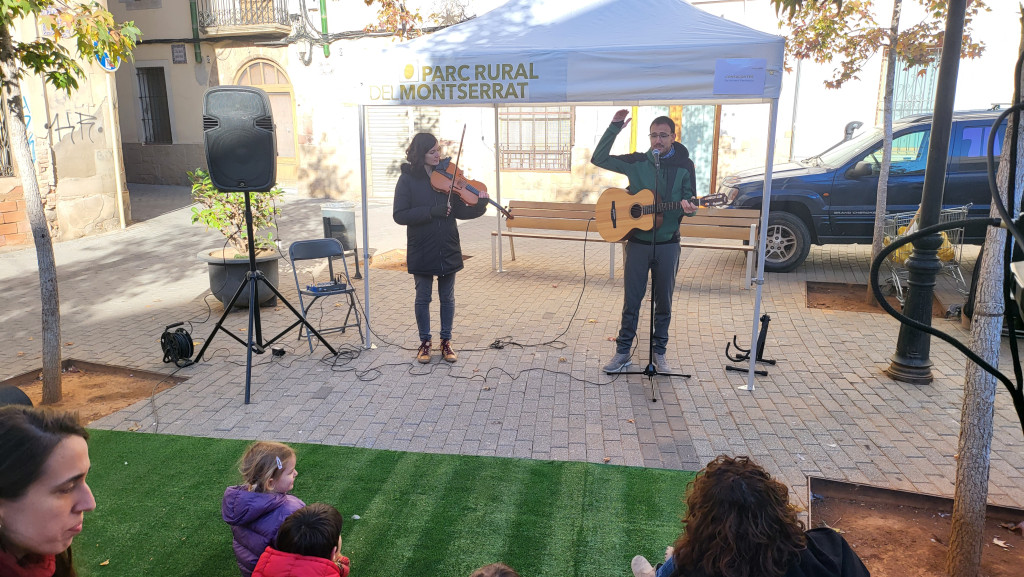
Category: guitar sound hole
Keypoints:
(636, 211)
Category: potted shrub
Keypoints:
(225, 211)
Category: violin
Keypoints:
(448, 178)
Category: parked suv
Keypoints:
(830, 198)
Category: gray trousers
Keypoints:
(663, 263)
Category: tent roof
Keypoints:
(552, 51)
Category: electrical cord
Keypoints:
(177, 346)
(341, 361)
(556, 343)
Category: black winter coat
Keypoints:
(432, 244)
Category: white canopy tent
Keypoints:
(618, 52)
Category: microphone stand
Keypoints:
(650, 371)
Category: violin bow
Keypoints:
(455, 171)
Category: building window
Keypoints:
(156, 119)
(913, 89)
(536, 138)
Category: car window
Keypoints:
(844, 151)
(909, 154)
(973, 146)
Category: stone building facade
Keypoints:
(74, 143)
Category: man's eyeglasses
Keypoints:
(660, 135)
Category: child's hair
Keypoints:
(495, 570)
(312, 531)
(263, 461)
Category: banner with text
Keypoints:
(466, 81)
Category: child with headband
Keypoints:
(256, 509)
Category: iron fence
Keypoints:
(242, 12)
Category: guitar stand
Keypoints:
(745, 353)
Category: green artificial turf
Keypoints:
(158, 510)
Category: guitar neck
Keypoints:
(662, 207)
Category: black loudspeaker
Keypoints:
(238, 132)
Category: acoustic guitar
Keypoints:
(619, 213)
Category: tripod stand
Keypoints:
(650, 371)
(255, 332)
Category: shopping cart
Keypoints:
(903, 223)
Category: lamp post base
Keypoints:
(913, 373)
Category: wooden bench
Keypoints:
(708, 223)
(554, 216)
(737, 224)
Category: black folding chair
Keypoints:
(337, 283)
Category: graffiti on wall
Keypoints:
(28, 127)
(67, 126)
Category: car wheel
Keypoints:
(787, 244)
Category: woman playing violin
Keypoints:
(433, 248)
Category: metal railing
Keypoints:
(6, 166)
(242, 12)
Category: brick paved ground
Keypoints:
(825, 409)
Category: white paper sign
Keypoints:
(739, 75)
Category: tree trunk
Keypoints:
(881, 196)
(963, 559)
(18, 134)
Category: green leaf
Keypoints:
(225, 211)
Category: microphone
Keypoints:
(657, 158)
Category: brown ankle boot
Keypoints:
(423, 355)
(446, 351)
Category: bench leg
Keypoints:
(494, 260)
(750, 257)
(512, 247)
(611, 261)
(749, 281)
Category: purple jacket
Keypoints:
(255, 519)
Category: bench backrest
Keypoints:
(709, 222)
(722, 223)
(551, 215)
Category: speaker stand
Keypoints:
(255, 332)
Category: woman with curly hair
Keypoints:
(739, 523)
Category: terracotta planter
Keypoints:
(228, 272)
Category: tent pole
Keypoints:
(497, 183)
(766, 198)
(366, 233)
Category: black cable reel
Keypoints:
(177, 346)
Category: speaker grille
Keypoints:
(238, 134)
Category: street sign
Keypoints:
(106, 62)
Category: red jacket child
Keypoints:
(274, 563)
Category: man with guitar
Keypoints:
(665, 169)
